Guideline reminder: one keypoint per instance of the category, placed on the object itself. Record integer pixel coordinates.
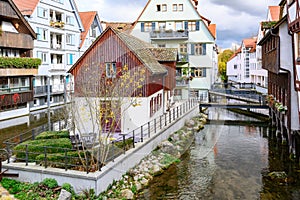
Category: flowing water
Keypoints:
(229, 162)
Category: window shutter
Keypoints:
(186, 25)
(204, 72)
(192, 49)
(142, 27)
(204, 49)
(197, 25)
(153, 26)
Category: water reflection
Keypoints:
(54, 118)
(229, 162)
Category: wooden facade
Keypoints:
(293, 10)
(270, 54)
(16, 85)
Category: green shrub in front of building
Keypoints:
(37, 147)
(53, 135)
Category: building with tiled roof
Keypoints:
(61, 38)
(16, 48)
(242, 61)
(178, 24)
(101, 68)
(92, 28)
(121, 26)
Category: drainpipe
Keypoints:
(48, 92)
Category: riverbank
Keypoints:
(167, 153)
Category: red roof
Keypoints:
(213, 29)
(26, 7)
(87, 19)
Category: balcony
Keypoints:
(169, 34)
(57, 67)
(16, 40)
(57, 24)
(13, 99)
(56, 46)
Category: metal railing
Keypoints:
(139, 135)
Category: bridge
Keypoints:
(246, 98)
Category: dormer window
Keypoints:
(158, 8)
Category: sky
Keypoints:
(235, 19)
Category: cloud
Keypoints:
(235, 19)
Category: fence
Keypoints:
(67, 158)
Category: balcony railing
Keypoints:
(14, 98)
(56, 46)
(57, 67)
(183, 57)
(169, 34)
(181, 81)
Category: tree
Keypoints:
(103, 94)
(222, 62)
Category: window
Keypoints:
(70, 20)
(42, 12)
(162, 25)
(111, 70)
(180, 7)
(178, 26)
(164, 7)
(70, 59)
(198, 49)
(235, 66)
(41, 34)
(183, 48)
(70, 39)
(174, 7)
(162, 45)
(198, 72)
(148, 26)
(192, 26)
(42, 55)
(158, 8)
(93, 32)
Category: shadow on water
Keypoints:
(230, 162)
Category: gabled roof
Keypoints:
(138, 47)
(274, 13)
(250, 42)
(26, 6)
(87, 19)
(22, 19)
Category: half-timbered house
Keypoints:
(277, 58)
(130, 80)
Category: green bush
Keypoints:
(50, 183)
(53, 135)
(37, 147)
(28, 63)
(59, 159)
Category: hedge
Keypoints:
(59, 159)
(53, 135)
(37, 147)
(20, 62)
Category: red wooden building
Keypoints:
(101, 70)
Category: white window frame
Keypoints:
(70, 39)
(42, 12)
(164, 7)
(174, 7)
(70, 20)
(42, 34)
(42, 55)
(180, 7)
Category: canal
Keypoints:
(230, 162)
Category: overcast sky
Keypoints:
(235, 19)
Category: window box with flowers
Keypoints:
(270, 99)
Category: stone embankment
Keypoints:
(167, 153)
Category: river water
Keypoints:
(229, 162)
